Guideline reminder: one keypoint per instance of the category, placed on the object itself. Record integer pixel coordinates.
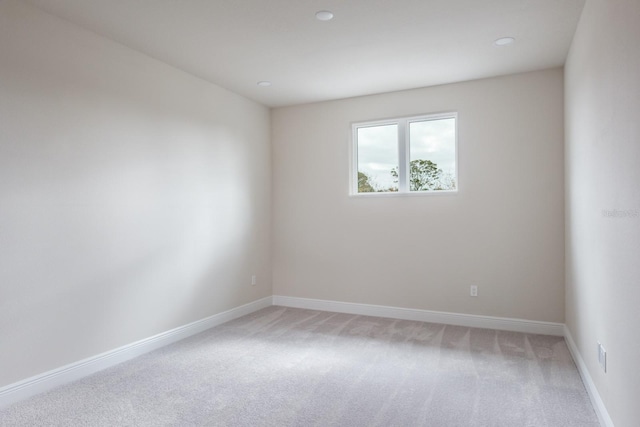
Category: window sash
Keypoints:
(404, 150)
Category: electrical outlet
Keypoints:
(602, 357)
(473, 291)
(253, 280)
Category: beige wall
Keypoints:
(134, 198)
(603, 174)
(503, 231)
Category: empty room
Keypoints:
(320, 213)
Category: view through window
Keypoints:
(415, 154)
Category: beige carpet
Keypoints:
(291, 367)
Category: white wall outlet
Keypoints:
(253, 280)
(602, 357)
(474, 291)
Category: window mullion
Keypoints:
(403, 153)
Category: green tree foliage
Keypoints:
(364, 183)
(424, 175)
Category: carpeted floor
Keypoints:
(291, 367)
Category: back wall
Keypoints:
(502, 231)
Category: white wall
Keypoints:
(134, 198)
(603, 175)
(503, 231)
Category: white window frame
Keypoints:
(403, 154)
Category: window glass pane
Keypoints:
(432, 155)
(377, 158)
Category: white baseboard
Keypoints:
(74, 371)
(596, 400)
(469, 320)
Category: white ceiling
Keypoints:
(371, 46)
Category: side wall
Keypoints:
(503, 231)
(603, 200)
(134, 198)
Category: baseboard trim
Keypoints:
(74, 371)
(469, 320)
(592, 391)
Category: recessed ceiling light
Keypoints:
(504, 41)
(324, 15)
(264, 83)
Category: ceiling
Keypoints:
(370, 46)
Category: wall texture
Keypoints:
(503, 231)
(134, 198)
(603, 199)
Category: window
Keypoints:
(408, 155)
